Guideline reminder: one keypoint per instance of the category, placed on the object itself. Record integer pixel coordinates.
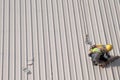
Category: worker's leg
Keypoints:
(95, 58)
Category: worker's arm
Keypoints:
(90, 53)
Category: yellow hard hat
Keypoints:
(109, 47)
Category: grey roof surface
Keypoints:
(45, 39)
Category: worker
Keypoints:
(100, 53)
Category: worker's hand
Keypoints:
(90, 54)
(93, 46)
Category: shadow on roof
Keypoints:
(115, 63)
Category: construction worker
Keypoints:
(99, 52)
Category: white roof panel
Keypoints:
(45, 39)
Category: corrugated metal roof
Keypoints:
(45, 39)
